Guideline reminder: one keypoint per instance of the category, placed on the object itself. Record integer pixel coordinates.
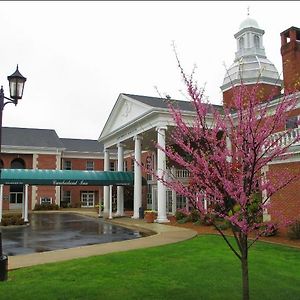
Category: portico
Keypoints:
(135, 125)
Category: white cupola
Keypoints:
(250, 65)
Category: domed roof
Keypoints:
(250, 70)
(249, 22)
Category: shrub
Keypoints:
(64, 204)
(179, 214)
(223, 225)
(12, 219)
(207, 219)
(183, 220)
(194, 216)
(270, 229)
(45, 206)
(294, 230)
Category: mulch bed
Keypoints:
(280, 238)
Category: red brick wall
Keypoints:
(263, 93)
(45, 191)
(285, 204)
(80, 163)
(46, 161)
(76, 193)
(290, 51)
(7, 159)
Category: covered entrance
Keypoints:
(24, 177)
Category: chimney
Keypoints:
(290, 52)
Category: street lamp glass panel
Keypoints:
(16, 85)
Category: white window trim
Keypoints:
(41, 198)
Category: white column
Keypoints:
(229, 147)
(23, 204)
(137, 176)
(57, 195)
(153, 196)
(26, 204)
(205, 205)
(174, 195)
(174, 202)
(106, 188)
(266, 215)
(120, 189)
(110, 202)
(1, 201)
(161, 169)
(100, 203)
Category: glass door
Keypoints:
(15, 200)
(87, 199)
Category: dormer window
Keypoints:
(256, 41)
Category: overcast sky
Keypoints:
(78, 56)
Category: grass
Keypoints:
(201, 268)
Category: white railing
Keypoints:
(179, 173)
(285, 138)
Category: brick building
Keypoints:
(27, 148)
(136, 123)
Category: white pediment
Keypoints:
(126, 111)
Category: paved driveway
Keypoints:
(52, 231)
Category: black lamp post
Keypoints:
(16, 87)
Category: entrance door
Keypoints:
(87, 199)
(15, 200)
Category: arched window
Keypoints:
(17, 163)
(256, 41)
(241, 43)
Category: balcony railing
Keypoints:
(285, 138)
(182, 173)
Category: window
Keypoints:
(256, 41)
(67, 165)
(149, 167)
(89, 165)
(67, 196)
(125, 166)
(291, 122)
(181, 201)
(112, 166)
(241, 43)
(66, 199)
(169, 200)
(45, 200)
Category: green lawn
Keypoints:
(201, 268)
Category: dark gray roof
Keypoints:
(80, 145)
(30, 137)
(163, 103)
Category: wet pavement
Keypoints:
(48, 232)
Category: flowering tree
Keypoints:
(226, 152)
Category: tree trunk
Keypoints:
(244, 262)
(245, 277)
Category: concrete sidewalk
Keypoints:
(163, 235)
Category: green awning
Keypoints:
(64, 177)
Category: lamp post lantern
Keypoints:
(16, 87)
